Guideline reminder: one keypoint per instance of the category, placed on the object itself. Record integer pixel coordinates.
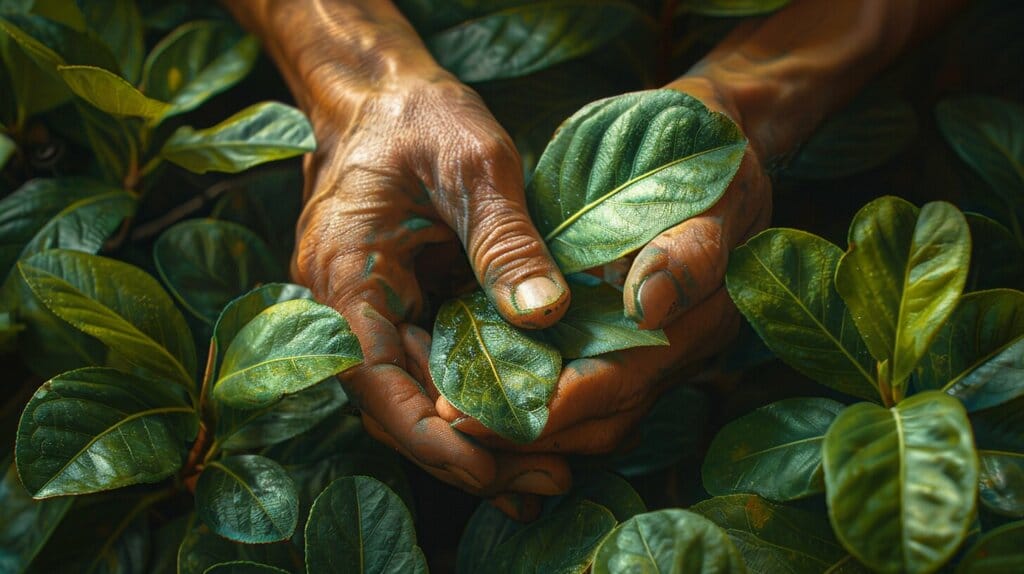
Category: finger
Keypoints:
(517, 506)
(684, 265)
(542, 474)
(416, 342)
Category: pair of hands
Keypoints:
(405, 174)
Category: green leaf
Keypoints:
(119, 24)
(66, 12)
(197, 61)
(207, 263)
(243, 567)
(774, 537)
(623, 169)
(978, 355)
(99, 429)
(260, 133)
(111, 93)
(71, 213)
(202, 549)
(7, 148)
(674, 429)
(1000, 551)
(997, 259)
(492, 371)
(901, 482)
(292, 415)
(670, 540)
(564, 541)
(359, 525)
(112, 141)
(732, 7)
(118, 304)
(167, 539)
(248, 498)
(774, 451)
(1000, 428)
(286, 348)
(267, 201)
(867, 133)
(608, 490)
(27, 524)
(525, 39)
(32, 66)
(1001, 483)
(594, 324)
(487, 528)
(781, 280)
(243, 309)
(901, 277)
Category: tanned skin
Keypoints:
(409, 158)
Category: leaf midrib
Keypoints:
(490, 360)
(252, 493)
(980, 363)
(291, 359)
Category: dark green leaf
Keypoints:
(32, 66)
(978, 355)
(203, 549)
(286, 348)
(594, 324)
(359, 525)
(782, 282)
(1000, 551)
(1000, 428)
(66, 12)
(622, 170)
(901, 277)
(207, 263)
(901, 482)
(524, 39)
(1001, 486)
(7, 146)
(672, 430)
(997, 259)
(563, 541)
(98, 429)
(26, 524)
(670, 540)
(118, 304)
(196, 62)
(167, 539)
(248, 498)
(268, 202)
(111, 93)
(260, 133)
(119, 24)
(239, 312)
(608, 490)
(485, 531)
(292, 415)
(775, 538)
(491, 370)
(242, 567)
(774, 451)
(732, 7)
(112, 141)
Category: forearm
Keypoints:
(782, 75)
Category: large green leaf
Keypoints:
(248, 498)
(732, 7)
(525, 39)
(71, 213)
(1000, 551)
(243, 309)
(901, 482)
(491, 370)
(1001, 483)
(286, 348)
(782, 282)
(260, 133)
(775, 451)
(776, 538)
(901, 277)
(997, 259)
(118, 304)
(26, 524)
(202, 549)
(98, 429)
(673, 541)
(197, 61)
(594, 324)
(112, 140)
(206, 263)
(294, 414)
(111, 93)
(622, 170)
(119, 24)
(359, 525)
(35, 84)
(564, 541)
(978, 355)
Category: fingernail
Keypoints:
(464, 476)
(535, 293)
(535, 482)
(655, 298)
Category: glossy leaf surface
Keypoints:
(359, 525)
(901, 277)
(525, 39)
(294, 414)
(207, 263)
(491, 370)
(98, 429)
(35, 84)
(248, 498)
(1000, 551)
(901, 482)
(118, 304)
(1001, 483)
(670, 540)
(781, 280)
(27, 523)
(564, 541)
(260, 133)
(623, 169)
(774, 451)
(286, 348)
(243, 309)
(111, 93)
